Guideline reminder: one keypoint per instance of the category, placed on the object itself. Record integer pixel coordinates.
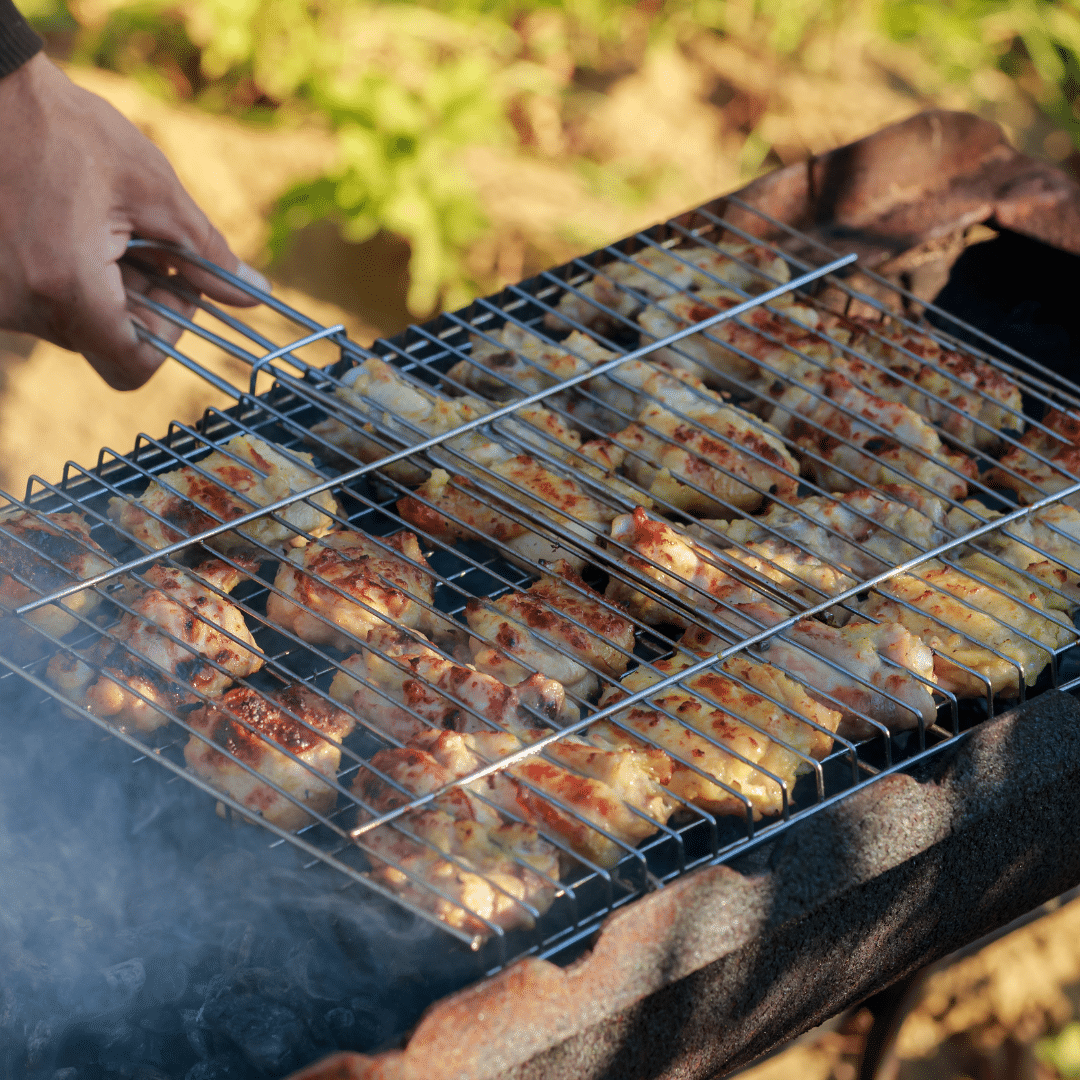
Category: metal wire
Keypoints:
(601, 864)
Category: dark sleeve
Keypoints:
(17, 41)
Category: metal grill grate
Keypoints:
(737, 715)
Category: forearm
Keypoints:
(18, 43)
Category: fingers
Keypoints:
(157, 323)
(96, 321)
(171, 214)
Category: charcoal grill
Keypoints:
(690, 922)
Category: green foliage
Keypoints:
(1062, 1051)
(1037, 41)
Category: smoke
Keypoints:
(143, 937)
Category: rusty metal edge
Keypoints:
(913, 182)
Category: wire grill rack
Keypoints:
(376, 463)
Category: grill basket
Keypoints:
(297, 401)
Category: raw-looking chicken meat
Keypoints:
(261, 476)
(109, 677)
(380, 586)
(41, 553)
(726, 729)
(534, 628)
(402, 686)
(256, 728)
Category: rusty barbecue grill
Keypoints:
(752, 622)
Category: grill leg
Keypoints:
(888, 1009)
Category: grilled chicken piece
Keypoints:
(107, 678)
(887, 666)
(565, 504)
(831, 427)
(1029, 478)
(256, 729)
(679, 566)
(738, 354)
(512, 362)
(530, 627)
(864, 530)
(974, 635)
(383, 587)
(968, 398)
(719, 717)
(382, 395)
(262, 475)
(42, 553)
(584, 793)
(692, 436)
(410, 412)
(653, 274)
(1046, 544)
(486, 868)
(798, 573)
(412, 686)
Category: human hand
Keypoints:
(77, 181)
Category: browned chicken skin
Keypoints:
(144, 661)
(379, 587)
(704, 722)
(487, 868)
(526, 626)
(263, 475)
(30, 545)
(272, 722)
(597, 784)
(412, 686)
(1033, 479)
(559, 500)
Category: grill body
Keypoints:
(837, 793)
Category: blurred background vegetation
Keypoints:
(412, 93)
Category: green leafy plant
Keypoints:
(1062, 1051)
(1036, 42)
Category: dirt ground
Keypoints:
(982, 1017)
